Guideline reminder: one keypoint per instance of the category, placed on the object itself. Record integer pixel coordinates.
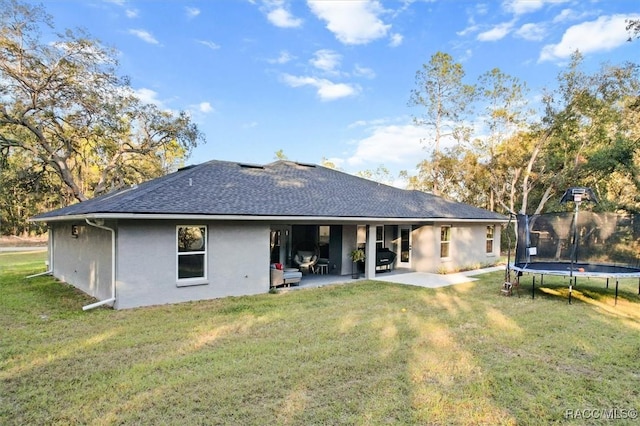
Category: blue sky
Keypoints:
(332, 79)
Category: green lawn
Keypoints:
(363, 353)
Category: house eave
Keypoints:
(265, 218)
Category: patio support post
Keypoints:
(370, 260)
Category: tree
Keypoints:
(381, 175)
(445, 100)
(280, 155)
(588, 134)
(63, 104)
(587, 118)
(328, 164)
(633, 26)
(463, 176)
(504, 99)
(25, 190)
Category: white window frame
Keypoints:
(447, 242)
(380, 242)
(490, 239)
(184, 282)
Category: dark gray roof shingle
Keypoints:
(282, 188)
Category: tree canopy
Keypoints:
(444, 100)
(65, 108)
(586, 134)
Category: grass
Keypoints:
(15, 259)
(363, 353)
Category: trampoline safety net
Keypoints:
(601, 238)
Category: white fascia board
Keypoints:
(288, 219)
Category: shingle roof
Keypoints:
(281, 188)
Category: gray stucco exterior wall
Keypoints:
(237, 257)
(82, 260)
(467, 247)
(237, 262)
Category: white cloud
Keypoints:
(390, 144)
(481, 9)
(498, 32)
(352, 22)
(396, 40)
(283, 19)
(210, 44)
(360, 71)
(472, 28)
(192, 12)
(566, 15)
(326, 89)
(326, 60)
(205, 107)
(603, 34)
(131, 13)
(278, 14)
(532, 32)
(144, 36)
(520, 7)
(465, 56)
(472, 25)
(149, 96)
(283, 58)
(378, 122)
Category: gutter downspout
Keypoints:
(113, 268)
(49, 270)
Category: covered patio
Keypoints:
(399, 276)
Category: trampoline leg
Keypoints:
(533, 287)
(570, 290)
(607, 282)
(616, 299)
(638, 286)
(572, 282)
(541, 280)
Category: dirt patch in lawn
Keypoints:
(15, 241)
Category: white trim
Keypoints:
(185, 282)
(492, 239)
(400, 263)
(269, 218)
(449, 256)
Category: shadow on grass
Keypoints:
(363, 353)
(594, 291)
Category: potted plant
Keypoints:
(356, 256)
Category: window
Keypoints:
(324, 234)
(445, 241)
(192, 254)
(324, 240)
(490, 230)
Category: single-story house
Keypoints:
(216, 229)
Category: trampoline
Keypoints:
(577, 244)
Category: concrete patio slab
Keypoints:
(424, 279)
(420, 279)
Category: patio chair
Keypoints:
(306, 260)
(284, 277)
